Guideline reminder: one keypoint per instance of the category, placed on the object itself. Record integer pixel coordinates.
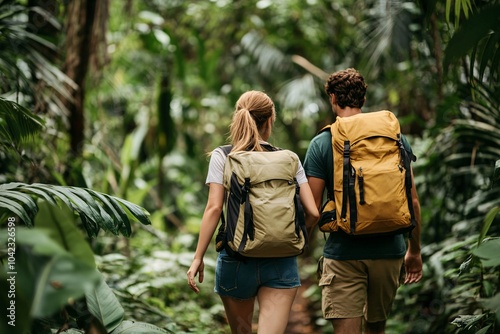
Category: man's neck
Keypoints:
(347, 111)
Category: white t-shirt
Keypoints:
(216, 168)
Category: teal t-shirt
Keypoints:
(341, 246)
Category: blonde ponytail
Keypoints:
(250, 121)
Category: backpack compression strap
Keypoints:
(406, 159)
(348, 184)
(300, 222)
(248, 228)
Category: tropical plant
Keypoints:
(17, 124)
(27, 59)
(53, 266)
(476, 38)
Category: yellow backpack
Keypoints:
(264, 215)
(372, 177)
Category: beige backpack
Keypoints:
(264, 215)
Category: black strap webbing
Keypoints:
(361, 186)
(300, 222)
(353, 213)
(248, 228)
(406, 160)
(345, 178)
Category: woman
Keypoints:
(273, 281)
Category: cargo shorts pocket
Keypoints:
(228, 273)
(327, 296)
(326, 280)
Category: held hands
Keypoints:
(413, 268)
(197, 267)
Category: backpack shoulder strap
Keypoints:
(329, 188)
(269, 147)
(325, 128)
(226, 149)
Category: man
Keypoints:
(359, 277)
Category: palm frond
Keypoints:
(388, 31)
(269, 58)
(17, 123)
(460, 6)
(96, 210)
(300, 95)
(479, 35)
(463, 157)
(22, 62)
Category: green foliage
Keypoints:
(480, 34)
(16, 124)
(460, 6)
(104, 305)
(53, 269)
(48, 273)
(151, 285)
(165, 98)
(96, 210)
(27, 58)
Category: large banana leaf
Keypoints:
(47, 275)
(96, 210)
(60, 223)
(104, 305)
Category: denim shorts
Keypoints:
(242, 279)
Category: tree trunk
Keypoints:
(81, 16)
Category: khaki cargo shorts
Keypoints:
(355, 288)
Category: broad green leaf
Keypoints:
(487, 223)
(493, 304)
(61, 224)
(103, 304)
(471, 32)
(62, 279)
(483, 330)
(20, 320)
(488, 252)
(38, 239)
(132, 327)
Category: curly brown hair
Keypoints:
(348, 86)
